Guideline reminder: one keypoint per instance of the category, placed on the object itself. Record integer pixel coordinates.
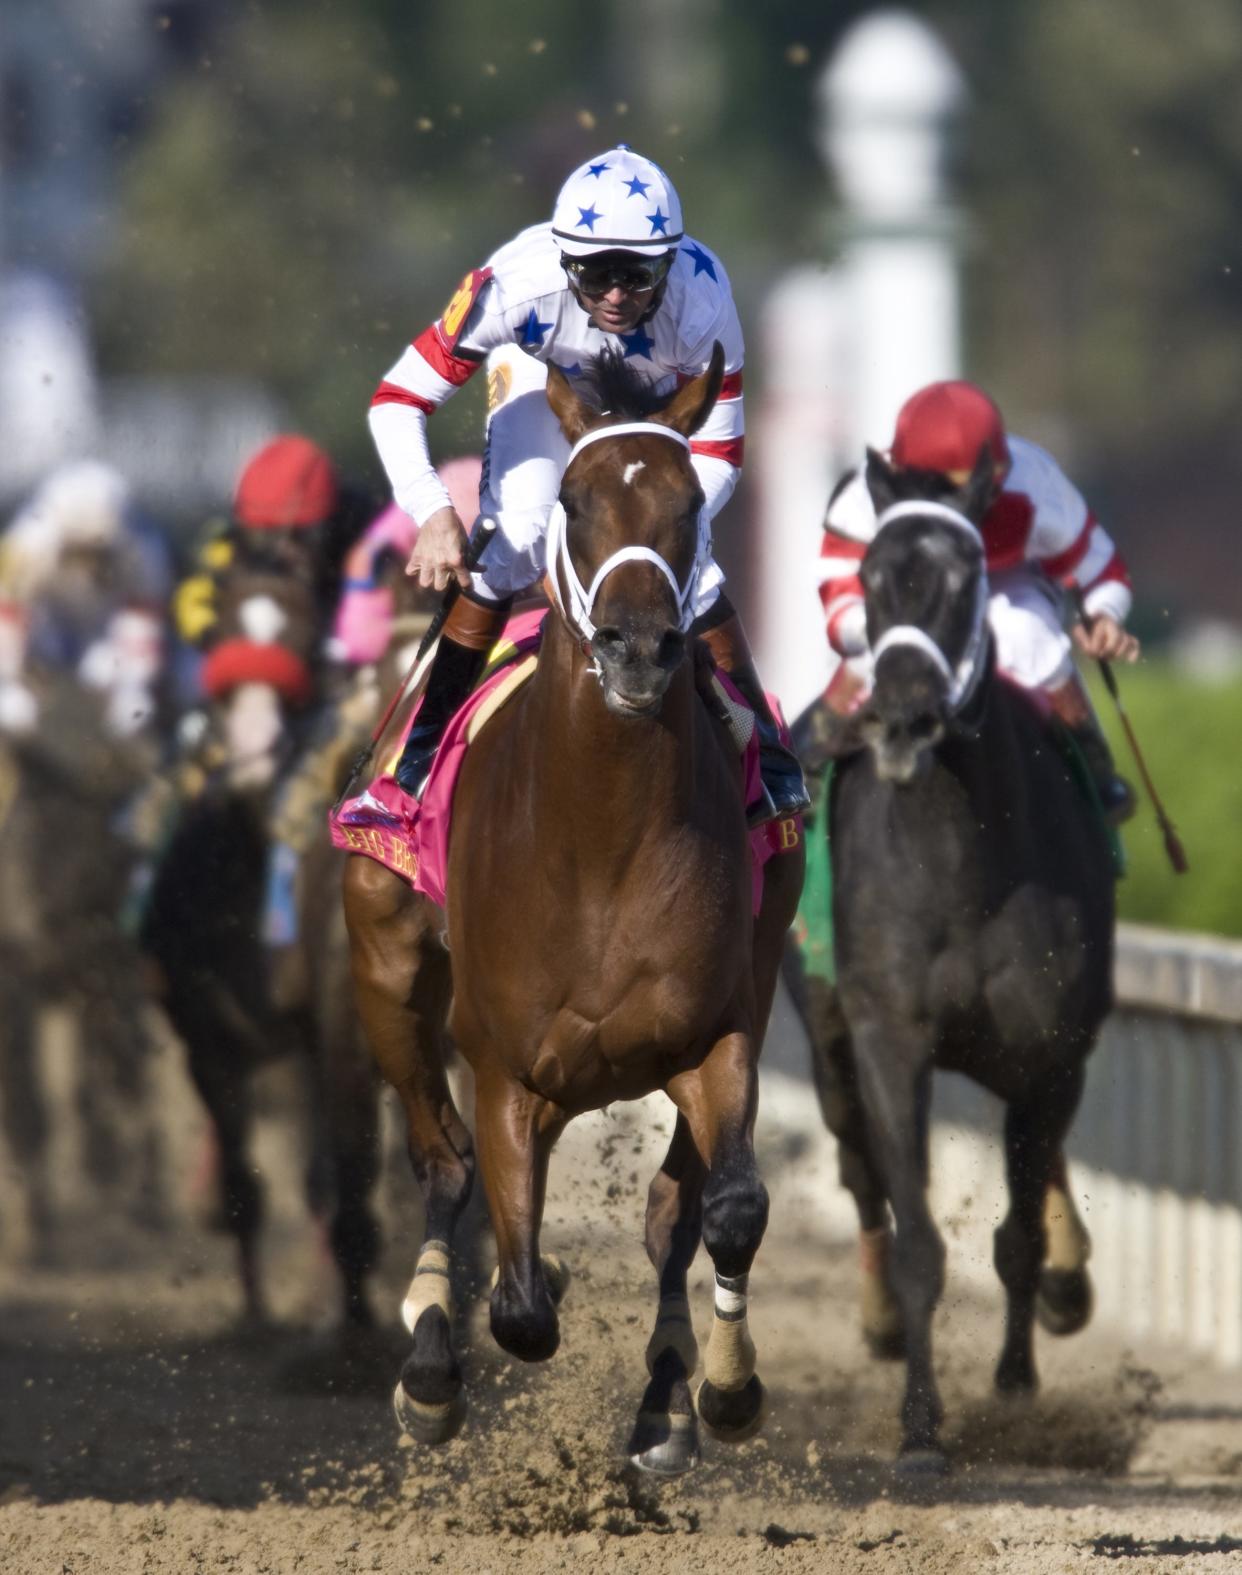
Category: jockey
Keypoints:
(611, 270)
(1039, 539)
(83, 580)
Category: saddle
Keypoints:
(411, 836)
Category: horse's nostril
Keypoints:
(610, 640)
(672, 648)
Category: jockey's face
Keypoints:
(615, 289)
(1000, 473)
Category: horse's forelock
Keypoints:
(618, 388)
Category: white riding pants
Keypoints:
(1025, 614)
(523, 461)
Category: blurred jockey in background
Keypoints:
(611, 271)
(292, 518)
(368, 621)
(1042, 543)
(84, 583)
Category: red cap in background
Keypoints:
(944, 428)
(289, 482)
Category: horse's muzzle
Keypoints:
(902, 749)
(636, 667)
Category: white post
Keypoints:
(845, 346)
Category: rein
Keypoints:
(578, 601)
(963, 678)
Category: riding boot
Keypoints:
(784, 787)
(1072, 706)
(471, 629)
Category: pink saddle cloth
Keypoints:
(411, 836)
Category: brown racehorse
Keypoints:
(601, 943)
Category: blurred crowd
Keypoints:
(140, 676)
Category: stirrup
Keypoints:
(1118, 800)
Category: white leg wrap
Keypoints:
(673, 1332)
(1069, 1245)
(729, 1361)
(430, 1286)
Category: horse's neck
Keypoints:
(615, 780)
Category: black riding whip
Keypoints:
(477, 545)
(1172, 842)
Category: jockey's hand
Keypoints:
(1104, 638)
(440, 552)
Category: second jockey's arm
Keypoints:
(1106, 639)
(1103, 606)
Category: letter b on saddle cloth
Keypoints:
(411, 836)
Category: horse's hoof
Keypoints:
(732, 1415)
(428, 1424)
(921, 1463)
(1064, 1301)
(663, 1444)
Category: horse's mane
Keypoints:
(618, 388)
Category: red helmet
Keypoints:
(945, 426)
(290, 481)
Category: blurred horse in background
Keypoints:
(63, 876)
(225, 989)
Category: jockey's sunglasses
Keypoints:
(595, 276)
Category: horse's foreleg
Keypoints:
(347, 1090)
(402, 985)
(894, 1069)
(840, 1103)
(1034, 1131)
(1063, 1301)
(222, 1079)
(718, 1100)
(665, 1436)
(516, 1131)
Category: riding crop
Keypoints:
(1172, 842)
(475, 549)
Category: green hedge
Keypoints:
(1188, 730)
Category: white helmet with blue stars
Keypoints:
(619, 201)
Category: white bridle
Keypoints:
(579, 600)
(962, 679)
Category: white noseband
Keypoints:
(581, 601)
(963, 678)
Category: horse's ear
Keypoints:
(881, 481)
(975, 496)
(574, 414)
(690, 406)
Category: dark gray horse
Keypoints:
(227, 996)
(973, 917)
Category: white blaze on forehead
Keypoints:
(632, 469)
(252, 727)
(262, 619)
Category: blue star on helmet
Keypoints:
(533, 330)
(702, 262)
(596, 169)
(589, 216)
(658, 222)
(638, 188)
(637, 343)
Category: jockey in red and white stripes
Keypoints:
(612, 270)
(1039, 537)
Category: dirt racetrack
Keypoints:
(140, 1433)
